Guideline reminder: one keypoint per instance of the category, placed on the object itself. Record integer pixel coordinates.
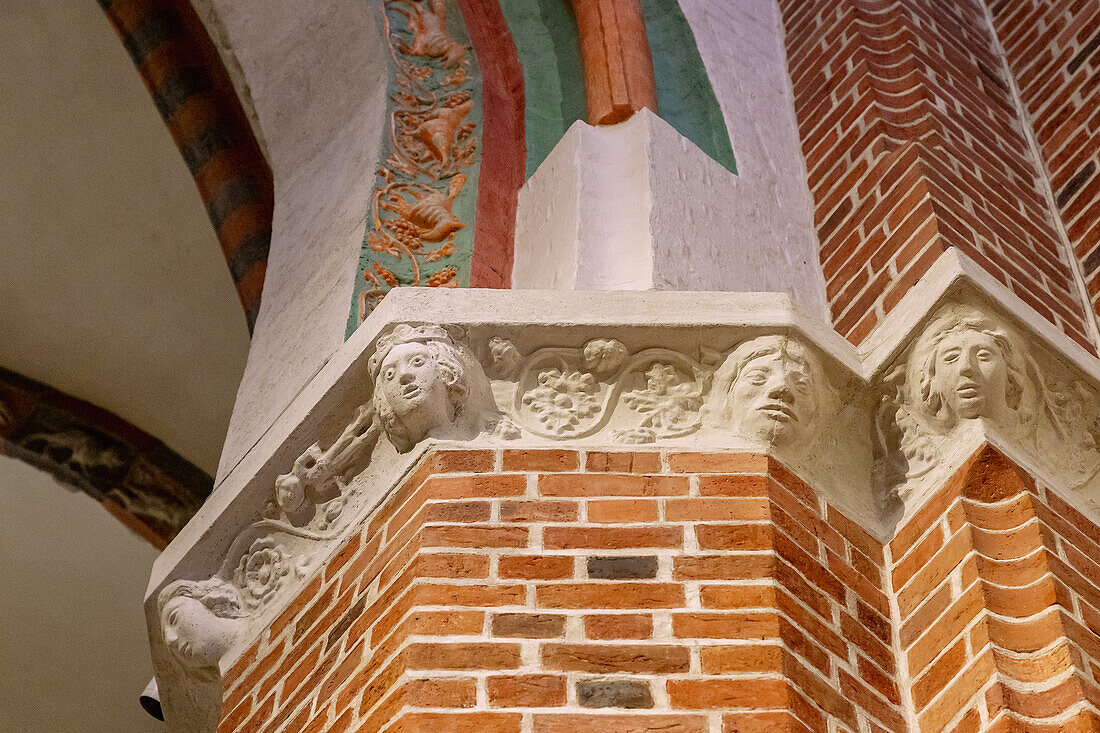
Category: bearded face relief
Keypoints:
(766, 391)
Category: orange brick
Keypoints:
(718, 462)
(618, 626)
(612, 658)
(476, 487)
(437, 692)
(535, 567)
(716, 510)
(610, 484)
(623, 510)
(472, 722)
(611, 538)
(466, 656)
(718, 694)
(741, 659)
(610, 595)
(744, 625)
(538, 511)
(633, 723)
(462, 461)
(522, 691)
(540, 460)
(603, 462)
(450, 536)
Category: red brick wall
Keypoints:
(679, 593)
(913, 145)
(1052, 50)
(997, 587)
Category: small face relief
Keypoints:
(411, 383)
(971, 376)
(773, 399)
(196, 636)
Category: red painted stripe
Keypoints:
(504, 147)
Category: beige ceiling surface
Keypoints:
(73, 651)
(113, 289)
(112, 285)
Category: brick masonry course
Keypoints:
(913, 144)
(977, 616)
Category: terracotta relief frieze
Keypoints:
(419, 228)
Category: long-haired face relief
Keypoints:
(199, 621)
(967, 367)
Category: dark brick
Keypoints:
(1075, 184)
(528, 625)
(622, 568)
(614, 694)
(1083, 55)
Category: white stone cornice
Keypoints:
(952, 272)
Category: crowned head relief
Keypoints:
(426, 385)
(767, 390)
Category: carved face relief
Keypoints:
(772, 398)
(766, 391)
(966, 365)
(195, 635)
(971, 376)
(413, 387)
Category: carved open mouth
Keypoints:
(410, 391)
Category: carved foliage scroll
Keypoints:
(419, 229)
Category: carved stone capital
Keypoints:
(605, 371)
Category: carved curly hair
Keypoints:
(452, 370)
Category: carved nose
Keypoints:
(780, 388)
(406, 377)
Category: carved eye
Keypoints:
(173, 618)
(417, 361)
(985, 355)
(951, 355)
(389, 373)
(757, 377)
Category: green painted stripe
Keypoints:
(545, 33)
(685, 96)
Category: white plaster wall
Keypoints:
(772, 242)
(583, 218)
(316, 74)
